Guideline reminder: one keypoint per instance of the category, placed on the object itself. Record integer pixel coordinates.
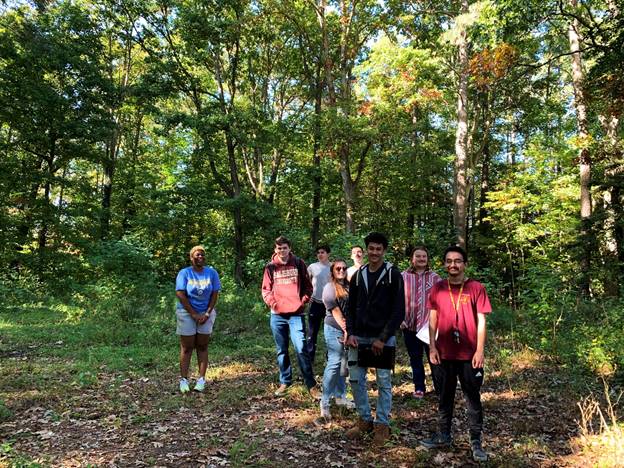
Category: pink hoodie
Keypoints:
(281, 292)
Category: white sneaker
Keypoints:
(345, 402)
(184, 386)
(200, 385)
(325, 411)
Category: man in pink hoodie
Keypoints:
(286, 288)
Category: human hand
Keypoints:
(434, 357)
(478, 360)
(351, 341)
(377, 347)
(403, 326)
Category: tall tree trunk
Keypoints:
(485, 188)
(612, 206)
(47, 188)
(108, 172)
(129, 208)
(460, 192)
(113, 144)
(343, 106)
(584, 156)
(316, 157)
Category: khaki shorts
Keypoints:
(189, 327)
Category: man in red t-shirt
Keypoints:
(458, 308)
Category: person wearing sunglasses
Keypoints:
(335, 298)
(197, 290)
(458, 308)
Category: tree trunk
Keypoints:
(584, 156)
(108, 171)
(343, 107)
(129, 208)
(47, 188)
(316, 157)
(460, 192)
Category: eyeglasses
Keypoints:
(456, 261)
(340, 268)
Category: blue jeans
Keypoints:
(415, 349)
(357, 377)
(284, 326)
(333, 383)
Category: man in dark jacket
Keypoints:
(376, 310)
(286, 288)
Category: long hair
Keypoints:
(424, 249)
(342, 289)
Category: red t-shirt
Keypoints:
(473, 300)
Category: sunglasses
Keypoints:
(340, 268)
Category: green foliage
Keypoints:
(5, 413)
(130, 133)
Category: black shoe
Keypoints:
(478, 454)
(438, 440)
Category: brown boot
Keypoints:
(362, 427)
(382, 434)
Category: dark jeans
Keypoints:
(316, 316)
(471, 380)
(415, 350)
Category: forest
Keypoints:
(132, 130)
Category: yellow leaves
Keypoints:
(581, 142)
(490, 65)
(512, 199)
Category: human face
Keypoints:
(375, 253)
(356, 255)
(455, 266)
(198, 258)
(340, 270)
(420, 260)
(282, 251)
(322, 255)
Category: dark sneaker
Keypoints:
(438, 440)
(281, 390)
(478, 454)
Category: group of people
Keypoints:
(361, 308)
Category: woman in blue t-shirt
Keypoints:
(197, 290)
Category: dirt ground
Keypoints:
(530, 420)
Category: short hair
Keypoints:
(458, 249)
(324, 247)
(196, 248)
(377, 238)
(283, 240)
(357, 247)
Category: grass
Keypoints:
(79, 361)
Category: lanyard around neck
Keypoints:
(456, 305)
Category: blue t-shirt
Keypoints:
(198, 286)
